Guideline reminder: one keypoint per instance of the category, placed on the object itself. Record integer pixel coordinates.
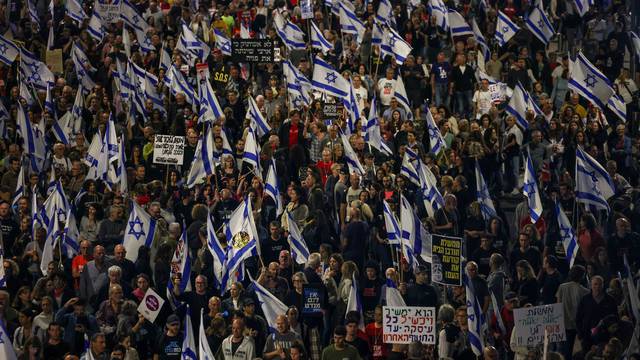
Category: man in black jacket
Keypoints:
(592, 308)
(422, 293)
(462, 85)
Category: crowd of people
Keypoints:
(79, 298)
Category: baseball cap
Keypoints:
(173, 319)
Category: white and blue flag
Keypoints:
(350, 23)
(391, 223)
(196, 46)
(34, 71)
(242, 240)
(567, 235)
(483, 195)
(327, 80)
(139, 231)
(482, 42)
(204, 350)
(129, 14)
(394, 45)
(475, 317)
(539, 25)
(299, 249)
(75, 11)
(203, 163)
(272, 189)
(505, 29)
(50, 243)
(408, 170)
(436, 141)
(210, 108)
(318, 40)
(582, 6)
(519, 104)
(371, 130)
(223, 43)
(298, 86)
(20, 189)
(6, 348)
(70, 236)
(258, 122)
(271, 306)
(218, 253)
(457, 25)
(189, 350)
(635, 43)
(416, 241)
(34, 142)
(8, 51)
(291, 36)
(178, 85)
(252, 151)
(95, 28)
(393, 295)
(589, 82)
(351, 158)
(617, 105)
(438, 9)
(33, 14)
(593, 183)
(400, 93)
(530, 190)
(354, 303)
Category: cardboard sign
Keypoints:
(312, 301)
(446, 259)
(109, 13)
(532, 324)
(54, 60)
(498, 92)
(203, 71)
(168, 149)
(252, 50)
(331, 112)
(150, 305)
(406, 324)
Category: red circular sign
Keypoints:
(152, 303)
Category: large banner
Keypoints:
(406, 324)
(446, 260)
(531, 324)
(168, 149)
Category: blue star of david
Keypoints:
(596, 190)
(296, 102)
(135, 19)
(593, 176)
(331, 78)
(35, 67)
(433, 131)
(565, 232)
(35, 77)
(505, 29)
(133, 231)
(61, 215)
(3, 48)
(226, 47)
(590, 80)
(392, 41)
(147, 42)
(540, 23)
(529, 188)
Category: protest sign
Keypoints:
(150, 305)
(168, 149)
(532, 323)
(54, 60)
(109, 13)
(252, 50)
(307, 9)
(406, 324)
(312, 301)
(446, 259)
(498, 92)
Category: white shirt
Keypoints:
(483, 102)
(362, 96)
(385, 90)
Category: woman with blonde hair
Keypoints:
(349, 270)
(525, 283)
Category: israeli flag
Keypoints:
(519, 104)
(539, 25)
(129, 14)
(505, 29)
(416, 241)
(475, 317)
(272, 189)
(371, 130)
(376, 33)
(165, 57)
(617, 105)
(400, 93)
(394, 45)
(181, 263)
(144, 41)
(139, 231)
(327, 80)
(634, 302)
(50, 243)
(33, 14)
(436, 141)
(204, 352)
(439, 10)
(75, 11)
(3, 275)
(583, 6)
(189, 340)
(95, 28)
(177, 84)
(530, 190)
(4, 117)
(51, 185)
(218, 253)
(34, 142)
(353, 109)
(384, 13)
(593, 183)
(392, 294)
(271, 306)
(252, 151)
(20, 189)
(351, 158)
(299, 249)
(121, 170)
(82, 67)
(589, 82)
(484, 198)
(258, 122)
(34, 71)
(242, 240)
(70, 236)
(482, 42)
(298, 86)
(409, 171)
(62, 129)
(223, 43)
(195, 45)
(49, 105)
(431, 196)
(318, 41)
(6, 348)
(496, 312)
(291, 36)
(349, 21)
(457, 25)
(203, 162)
(210, 108)
(568, 236)
(394, 233)
(354, 303)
